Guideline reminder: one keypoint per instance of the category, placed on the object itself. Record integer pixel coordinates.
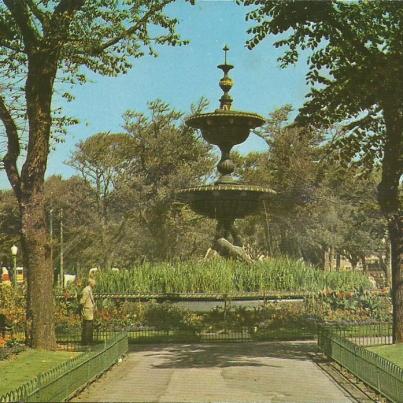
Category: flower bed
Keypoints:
(8, 347)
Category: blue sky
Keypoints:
(181, 75)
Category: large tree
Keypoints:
(290, 167)
(356, 78)
(132, 178)
(166, 155)
(322, 209)
(42, 41)
(101, 160)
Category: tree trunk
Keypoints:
(338, 261)
(331, 254)
(396, 237)
(36, 248)
(328, 257)
(364, 263)
(387, 263)
(354, 261)
(383, 266)
(388, 196)
(35, 242)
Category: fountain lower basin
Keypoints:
(220, 201)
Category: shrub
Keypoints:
(12, 304)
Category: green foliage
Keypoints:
(11, 348)
(128, 189)
(320, 206)
(276, 319)
(103, 36)
(41, 43)
(9, 226)
(221, 276)
(355, 75)
(12, 304)
(341, 305)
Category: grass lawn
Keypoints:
(393, 353)
(28, 364)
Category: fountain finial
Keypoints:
(226, 82)
(225, 49)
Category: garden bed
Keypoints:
(228, 277)
(8, 351)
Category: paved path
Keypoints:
(235, 372)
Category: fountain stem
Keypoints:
(225, 167)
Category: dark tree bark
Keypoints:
(36, 251)
(364, 263)
(28, 189)
(338, 261)
(388, 196)
(353, 260)
(34, 238)
(387, 263)
(396, 233)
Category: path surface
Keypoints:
(235, 372)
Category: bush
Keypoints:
(9, 346)
(12, 304)
(334, 306)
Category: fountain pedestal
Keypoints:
(227, 199)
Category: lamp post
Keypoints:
(14, 251)
(61, 250)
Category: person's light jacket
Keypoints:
(88, 304)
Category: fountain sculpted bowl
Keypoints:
(222, 201)
(225, 127)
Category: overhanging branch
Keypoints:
(131, 30)
(68, 6)
(13, 147)
(41, 15)
(20, 13)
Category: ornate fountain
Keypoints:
(227, 199)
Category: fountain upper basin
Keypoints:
(225, 127)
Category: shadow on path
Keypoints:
(226, 355)
(221, 372)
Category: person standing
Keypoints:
(87, 303)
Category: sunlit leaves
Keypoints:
(104, 36)
(355, 71)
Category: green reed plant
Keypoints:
(228, 276)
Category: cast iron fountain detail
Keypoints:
(227, 199)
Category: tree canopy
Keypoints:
(356, 80)
(132, 178)
(355, 73)
(44, 42)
